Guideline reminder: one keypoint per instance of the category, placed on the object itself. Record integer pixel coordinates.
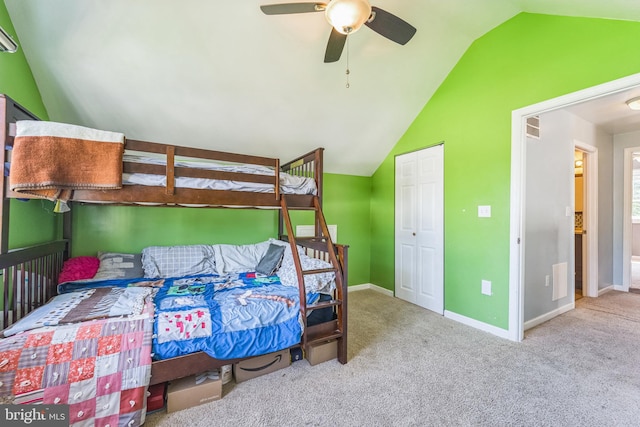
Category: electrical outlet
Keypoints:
(486, 287)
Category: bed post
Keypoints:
(4, 205)
(317, 173)
(67, 222)
(343, 312)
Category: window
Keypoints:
(635, 194)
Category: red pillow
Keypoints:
(79, 268)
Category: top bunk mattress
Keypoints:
(62, 162)
(289, 184)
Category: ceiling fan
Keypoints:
(346, 17)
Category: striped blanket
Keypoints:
(50, 159)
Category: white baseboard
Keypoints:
(548, 316)
(502, 333)
(372, 287)
(607, 289)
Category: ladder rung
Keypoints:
(326, 337)
(322, 329)
(320, 270)
(324, 304)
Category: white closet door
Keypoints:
(406, 207)
(420, 228)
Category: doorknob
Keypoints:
(414, 233)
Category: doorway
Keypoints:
(586, 219)
(560, 227)
(419, 228)
(548, 229)
(610, 94)
(631, 226)
(579, 226)
(634, 283)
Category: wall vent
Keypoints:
(533, 127)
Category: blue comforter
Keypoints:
(227, 317)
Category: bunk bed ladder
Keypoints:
(328, 331)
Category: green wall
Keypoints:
(30, 223)
(528, 59)
(131, 228)
(16, 79)
(346, 203)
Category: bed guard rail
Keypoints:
(28, 279)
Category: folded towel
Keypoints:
(50, 159)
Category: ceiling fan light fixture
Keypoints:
(6, 42)
(347, 16)
(634, 103)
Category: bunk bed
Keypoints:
(30, 275)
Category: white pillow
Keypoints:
(238, 258)
(178, 261)
(119, 266)
(322, 282)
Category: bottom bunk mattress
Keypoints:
(227, 317)
(100, 368)
(231, 316)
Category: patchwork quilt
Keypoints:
(228, 316)
(101, 368)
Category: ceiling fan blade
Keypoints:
(287, 8)
(334, 46)
(390, 26)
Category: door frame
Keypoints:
(627, 225)
(590, 242)
(517, 199)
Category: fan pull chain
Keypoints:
(347, 72)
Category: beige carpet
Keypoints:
(411, 367)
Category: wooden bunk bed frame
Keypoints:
(29, 275)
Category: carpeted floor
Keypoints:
(410, 367)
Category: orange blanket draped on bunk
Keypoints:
(50, 159)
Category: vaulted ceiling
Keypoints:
(224, 76)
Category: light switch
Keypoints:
(486, 287)
(484, 211)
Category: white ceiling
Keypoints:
(610, 113)
(223, 75)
